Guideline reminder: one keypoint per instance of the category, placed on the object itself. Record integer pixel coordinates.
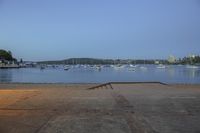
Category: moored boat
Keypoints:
(66, 67)
(161, 66)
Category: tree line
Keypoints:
(190, 60)
(7, 55)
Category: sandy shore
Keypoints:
(124, 108)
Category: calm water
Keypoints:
(170, 74)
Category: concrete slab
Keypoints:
(124, 108)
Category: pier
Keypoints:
(3, 66)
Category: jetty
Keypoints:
(4, 66)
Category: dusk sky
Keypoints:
(60, 29)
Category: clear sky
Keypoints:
(59, 29)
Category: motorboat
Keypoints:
(66, 67)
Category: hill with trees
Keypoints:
(6, 55)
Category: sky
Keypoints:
(138, 29)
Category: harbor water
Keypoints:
(102, 74)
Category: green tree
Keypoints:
(7, 55)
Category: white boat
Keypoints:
(161, 66)
(132, 66)
(192, 66)
(98, 67)
(66, 67)
(118, 67)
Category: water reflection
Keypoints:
(192, 73)
(171, 71)
(5, 75)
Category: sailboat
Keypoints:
(143, 67)
(191, 66)
(132, 67)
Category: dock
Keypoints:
(2, 66)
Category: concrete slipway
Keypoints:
(109, 108)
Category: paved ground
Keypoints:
(131, 108)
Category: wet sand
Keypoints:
(119, 108)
